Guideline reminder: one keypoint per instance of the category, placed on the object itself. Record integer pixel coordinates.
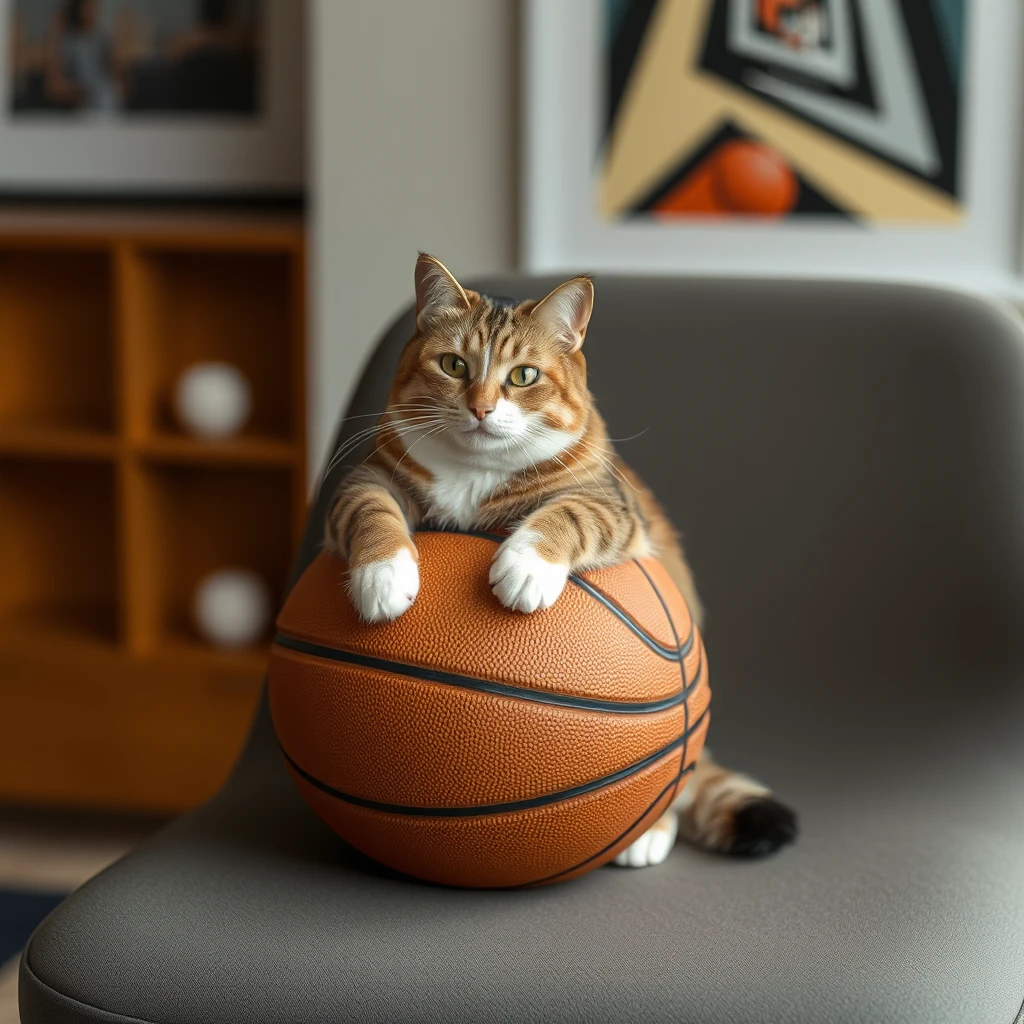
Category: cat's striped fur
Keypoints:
(461, 444)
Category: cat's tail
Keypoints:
(730, 813)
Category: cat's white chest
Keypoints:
(456, 495)
(457, 490)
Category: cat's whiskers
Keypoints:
(596, 453)
(609, 465)
(391, 409)
(532, 464)
(396, 434)
(579, 482)
(632, 437)
(429, 433)
(532, 431)
(346, 445)
(580, 462)
(362, 432)
(401, 408)
(355, 441)
(361, 435)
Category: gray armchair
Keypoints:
(847, 463)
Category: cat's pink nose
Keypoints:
(480, 411)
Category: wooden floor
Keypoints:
(54, 853)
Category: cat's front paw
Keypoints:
(381, 591)
(522, 580)
(653, 846)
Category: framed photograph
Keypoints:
(768, 136)
(152, 98)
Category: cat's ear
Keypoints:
(565, 312)
(437, 292)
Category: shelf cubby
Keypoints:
(173, 448)
(199, 519)
(45, 442)
(197, 306)
(56, 340)
(59, 551)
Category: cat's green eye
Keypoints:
(453, 365)
(523, 376)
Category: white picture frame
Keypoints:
(166, 155)
(562, 231)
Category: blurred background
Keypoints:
(96, 57)
(209, 209)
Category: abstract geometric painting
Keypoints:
(783, 109)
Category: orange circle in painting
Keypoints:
(750, 177)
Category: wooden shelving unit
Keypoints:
(110, 515)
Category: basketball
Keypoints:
(474, 746)
(753, 178)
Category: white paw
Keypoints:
(653, 846)
(522, 580)
(382, 590)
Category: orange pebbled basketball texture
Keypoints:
(470, 745)
(457, 625)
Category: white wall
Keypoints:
(414, 134)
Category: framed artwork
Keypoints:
(765, 136)
(151, 98)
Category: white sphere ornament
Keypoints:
(213, 400)
(231, 607)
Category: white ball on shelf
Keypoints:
(232, 607)
(213, 400)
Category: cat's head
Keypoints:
(502, 383)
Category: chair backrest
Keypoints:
(845, 461)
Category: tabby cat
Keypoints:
(490, 425)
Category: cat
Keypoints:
(489, 425)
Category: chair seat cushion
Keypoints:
(902, 901)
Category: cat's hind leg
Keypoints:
(653, 846)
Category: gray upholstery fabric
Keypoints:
(848, 465)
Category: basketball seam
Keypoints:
(486, 810)
(682, 670)
(618, 839)
(681, 649)
(585, 585)
(621, 707)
